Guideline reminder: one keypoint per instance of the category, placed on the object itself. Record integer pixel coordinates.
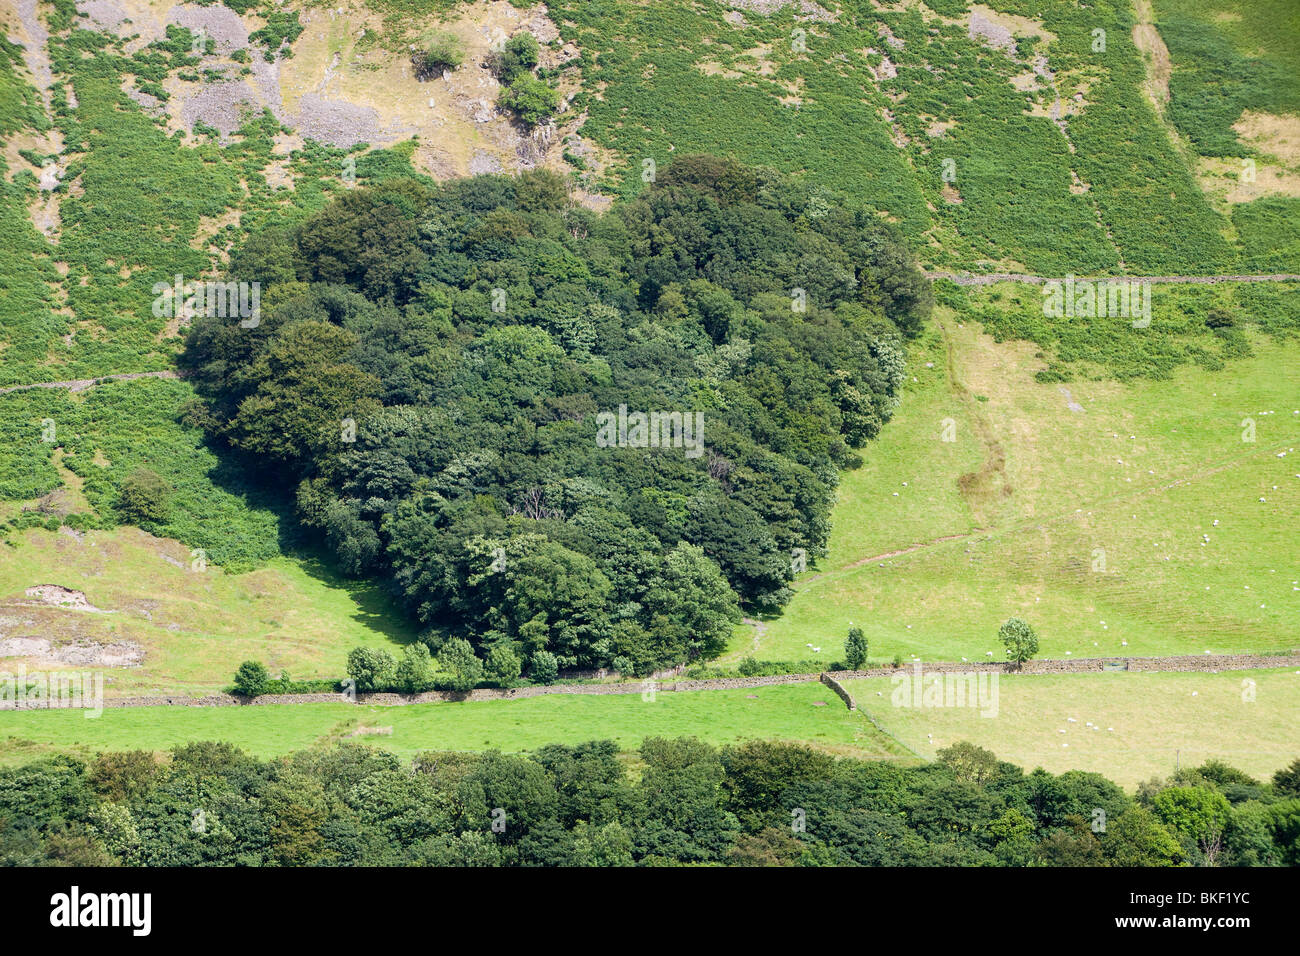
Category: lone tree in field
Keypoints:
(251, 678)
(1020, 640)
(855, 649)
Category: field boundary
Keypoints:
(988, 278)
(839, 689)
(81, 384)
(1089, 665)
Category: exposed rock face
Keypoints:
(59, 596)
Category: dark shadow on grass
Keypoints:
(377, 609)
(264, 489)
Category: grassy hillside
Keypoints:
(1233, 99)
(1016, 143)
(1148, 723)
(194, 627)
(1088, 521)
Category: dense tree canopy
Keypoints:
(756, 803)
(431, 366)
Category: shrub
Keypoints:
(371, 669)
(414, 672)
(251, 679)
(545, 668)
(1219, 319)
(437, 51)
(503, 665)
(520, 55)
(1287, 780)
(144, 497)
(458, 660)
(530, 99)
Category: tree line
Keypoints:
(760, 803)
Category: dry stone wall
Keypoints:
(1207, 663)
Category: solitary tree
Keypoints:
(251, 678)
(855, 648)
(1020, 640)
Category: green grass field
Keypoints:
(1089, 524)
(1160, 720)
(807, 713)
(195, 627)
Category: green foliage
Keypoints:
(436, 51)
(20, 107)
(544, 668)
(1212, 82)
(145, 498)
(414, 673)
(1197, 815)
(457, 658)
(405, 324)
(503, 665)
(1287, 780)
(1138, 838)
(1270, 242)
(947, 101)
(1019, 639)
(855, 649)
(371, 669)
(1284, 826)
(532, 100)
(518, 57)
(282, 28)
(1180, 332)
(648, 61)
(117, 428)
(251, 679)
(968, 762)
